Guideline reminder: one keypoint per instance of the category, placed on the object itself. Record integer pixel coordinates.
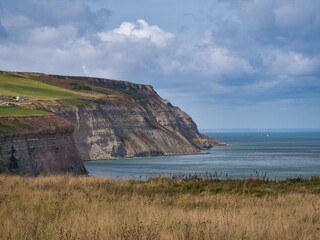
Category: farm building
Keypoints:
(22, 98)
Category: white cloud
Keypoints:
(51, 36)
(211, 59)
(291, 63)
(138, 31)
(218, 61)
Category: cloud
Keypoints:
(268, 22)
(35, 13)
(240, 39)
(50, 36)
(213, 60)
(293, 63)
(136, 32)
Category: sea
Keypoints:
(260, 154)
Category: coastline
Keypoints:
(154, 156)
(280, 156)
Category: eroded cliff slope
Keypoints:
(115, 119)
(33, 145)
(142, 125)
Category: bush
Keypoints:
(81, 87)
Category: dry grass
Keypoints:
(67, 207)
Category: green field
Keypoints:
(12, 111)
(18, 86)
(47, 91)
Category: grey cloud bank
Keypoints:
(227, 63)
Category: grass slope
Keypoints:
(18, 86)
(15, 111)
(46, 91)
(42, 95)
(66, 207)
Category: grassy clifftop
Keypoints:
(61, 91)
(15, 85)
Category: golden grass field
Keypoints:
(69, 207)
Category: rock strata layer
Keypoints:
(146, 125)
(38, 145)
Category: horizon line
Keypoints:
(257, 129)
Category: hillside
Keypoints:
(112, 119)
(56, 90)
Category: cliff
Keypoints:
(144, 125)
(33, 145)
(113, 119)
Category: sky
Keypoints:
(228, 64)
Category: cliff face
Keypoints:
(111, 119)
(145, 125)
(38, 145)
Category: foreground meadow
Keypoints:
(68, 207)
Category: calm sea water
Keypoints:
(276, 154)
